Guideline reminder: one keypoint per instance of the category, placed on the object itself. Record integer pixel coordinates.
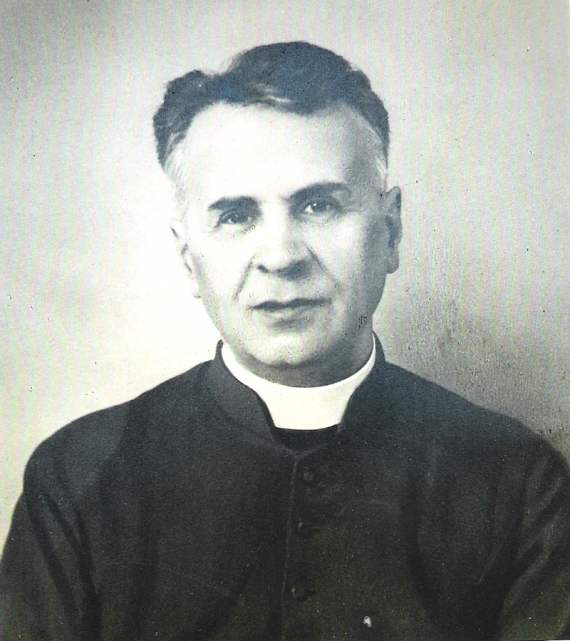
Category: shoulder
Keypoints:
(75, 454)
(443, 436)
(428, 403)
(425, 416)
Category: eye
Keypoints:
(239, 216)
(321, 207)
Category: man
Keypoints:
(298, 486)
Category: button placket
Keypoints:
(308, 522)
(304, 528)
(302, 592)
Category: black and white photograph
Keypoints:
(285, 320)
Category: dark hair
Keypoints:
(290, 76)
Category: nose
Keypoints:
(281, 248)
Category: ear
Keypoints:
(392, 205)
(179, 232)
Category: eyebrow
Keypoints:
(306, 193)
(318, 190)
(230, 203)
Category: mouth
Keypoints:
(294, 304)
(289, 313)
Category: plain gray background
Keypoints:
(94, 305)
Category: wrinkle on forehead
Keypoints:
(334, 143)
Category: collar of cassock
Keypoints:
(301, 408)
(244, 406)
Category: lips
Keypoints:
(292, 313)
(296, 303)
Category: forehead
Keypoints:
(236, 150)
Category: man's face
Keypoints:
(288, 237)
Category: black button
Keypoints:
(306, 529)
(299, 592)
(308, 476)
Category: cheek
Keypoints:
(376, 251)
(360, 253)
(365, 269)
(218, 278)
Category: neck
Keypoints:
(306, 407)
(324, 370)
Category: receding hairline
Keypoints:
(295, 76)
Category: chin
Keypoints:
(290, 351)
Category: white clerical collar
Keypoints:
(301, 408)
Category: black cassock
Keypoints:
(185, 515)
